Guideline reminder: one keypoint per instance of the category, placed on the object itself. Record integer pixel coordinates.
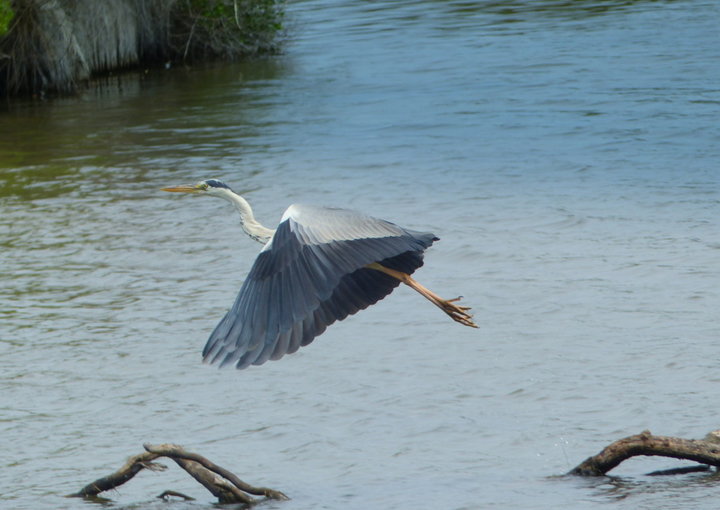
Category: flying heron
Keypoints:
(318, 267)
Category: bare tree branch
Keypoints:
(169, 494)
(175, 452)
(704, 451)
(133, 466)
(223, 484)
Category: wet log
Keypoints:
(221, 483)
(166, 495)
(705, 451)
(133, 466)
(193, 461)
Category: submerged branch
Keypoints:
(705, 451)
(133, 466)
(177, 453)
(223, 484)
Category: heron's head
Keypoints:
(212, 187)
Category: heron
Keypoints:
(319, 266)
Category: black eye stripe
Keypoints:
(214, 183)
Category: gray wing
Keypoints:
(309, 275)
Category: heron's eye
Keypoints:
(204, 186)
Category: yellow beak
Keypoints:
(183, 188)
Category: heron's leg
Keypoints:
(457, 313)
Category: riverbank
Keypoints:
(53, 46)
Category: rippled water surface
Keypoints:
(566, 153)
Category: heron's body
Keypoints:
(318, 267)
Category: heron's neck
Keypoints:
(249, 224)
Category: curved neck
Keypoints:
(249, 224)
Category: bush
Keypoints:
(6, 16)
(225, 28)
(53, 45)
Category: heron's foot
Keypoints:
(457, 313)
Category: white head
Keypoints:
(216, 188)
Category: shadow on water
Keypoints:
(611, 488)
(122, 125)
(125, 124)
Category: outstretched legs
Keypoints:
(457, 313)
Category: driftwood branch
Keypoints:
(133, 466)
(177, 453)
(223, 484)
(705, 451)
(166, 495)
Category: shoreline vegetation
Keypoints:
(54, 46)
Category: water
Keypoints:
(565, 153)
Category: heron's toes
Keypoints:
(458, 313)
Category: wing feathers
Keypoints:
(311, 274)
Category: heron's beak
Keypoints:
(184, 188)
